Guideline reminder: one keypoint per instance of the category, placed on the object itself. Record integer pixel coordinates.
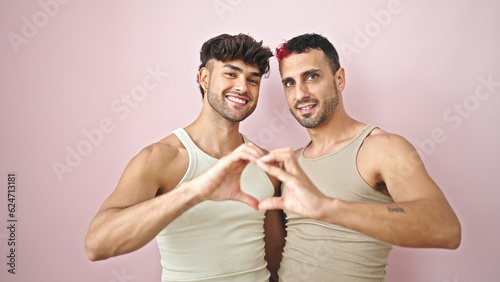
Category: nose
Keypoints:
(301, 92)
(241, 86)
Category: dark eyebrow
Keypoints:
(233, 67)
(312, 71)
(286, 79)
(306, 73)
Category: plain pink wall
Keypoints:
(426, 70)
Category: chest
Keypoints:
(337, 176)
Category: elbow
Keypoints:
(92, 256)
(452, 243)
(452, 237)
(455, 237)
(93, 250)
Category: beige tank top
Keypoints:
(318, 251)
(216, 241)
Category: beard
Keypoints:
(327, 109)
(219, 104)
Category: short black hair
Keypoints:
(303, 43)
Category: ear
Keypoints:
(204, 77)
(340, 79)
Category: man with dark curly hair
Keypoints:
(185, 189)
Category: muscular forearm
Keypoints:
(421, 223)
(118, 231)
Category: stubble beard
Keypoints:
(328, 109)
(218, 103)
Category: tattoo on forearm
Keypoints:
(396, 209)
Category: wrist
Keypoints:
(331, 210)
(192, 192)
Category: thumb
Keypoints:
(247, 199)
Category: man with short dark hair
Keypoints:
(185, 189)
(354, 190)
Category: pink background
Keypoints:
(413, 67)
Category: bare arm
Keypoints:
(132, 215)
(420, 217)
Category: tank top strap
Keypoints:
(191, 149)
(358, 140)
(352, 146)
(195, 153)
(185, 139)
(245, 139)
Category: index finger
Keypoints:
(248, 152)
(279, 155)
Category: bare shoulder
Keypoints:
(155, 156)
(166, 160)
(155, 170)
(165, 150)
(380, 143)
(383, 155)
(392, 160)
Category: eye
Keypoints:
(230, 74)
(289, 83)
(312, 77)
(253, 81)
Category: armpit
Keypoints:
(381, 187)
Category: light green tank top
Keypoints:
(216, 241)
(318, 251)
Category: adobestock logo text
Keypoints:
(31, 26)
(121, 107)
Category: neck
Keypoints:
(333, 134)
(214, 135)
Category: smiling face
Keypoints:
(232, 88)
(311, 89)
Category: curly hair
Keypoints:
(243, 47)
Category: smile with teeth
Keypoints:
(306, 108)
(237, 100)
